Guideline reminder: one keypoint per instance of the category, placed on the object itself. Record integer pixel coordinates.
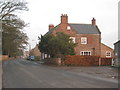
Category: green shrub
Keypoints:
(37, 58)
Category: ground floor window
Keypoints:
(85, 53)
(108, 54)
(45, 56)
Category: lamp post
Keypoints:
(30, 47)
(31, 54)
(1, 30)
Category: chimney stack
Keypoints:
(64, 19)
(93, 21)
(51, 26)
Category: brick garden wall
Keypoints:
(78, 60)
(52, 61)
(106, 61)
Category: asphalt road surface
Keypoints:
(29, 74)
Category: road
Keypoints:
(29, 74)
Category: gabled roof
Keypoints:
(105, 46)
(85, 28)
(81, 29)
(51, 30)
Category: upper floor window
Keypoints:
(108, 54)
(85, 53)
(73, 39)
(83, 40)
(68, 28)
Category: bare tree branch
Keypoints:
(11, 7)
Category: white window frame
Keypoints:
(107, 54)
(73, 39)
(68, 27)
(45, 55)
(83, 40)
(85, 53)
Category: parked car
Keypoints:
(31, 58)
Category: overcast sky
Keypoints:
(44, 12)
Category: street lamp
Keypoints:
(30, 47)
(30, 51)
(1, 30)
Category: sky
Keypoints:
(44, 12)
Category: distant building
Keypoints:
(117, 53)
(26, 54)
(87, 37)
(35, 51)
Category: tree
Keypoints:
(13, 38)
(44, 44)
(9, 7)
(57, 46)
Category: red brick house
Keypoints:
(88, 37)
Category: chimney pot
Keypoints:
(51, 26)
(64, 19)
(93, 21)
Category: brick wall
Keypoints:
(63, 28)
(52, 61)
(106, 61)
(78, 60)
(93, 41)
